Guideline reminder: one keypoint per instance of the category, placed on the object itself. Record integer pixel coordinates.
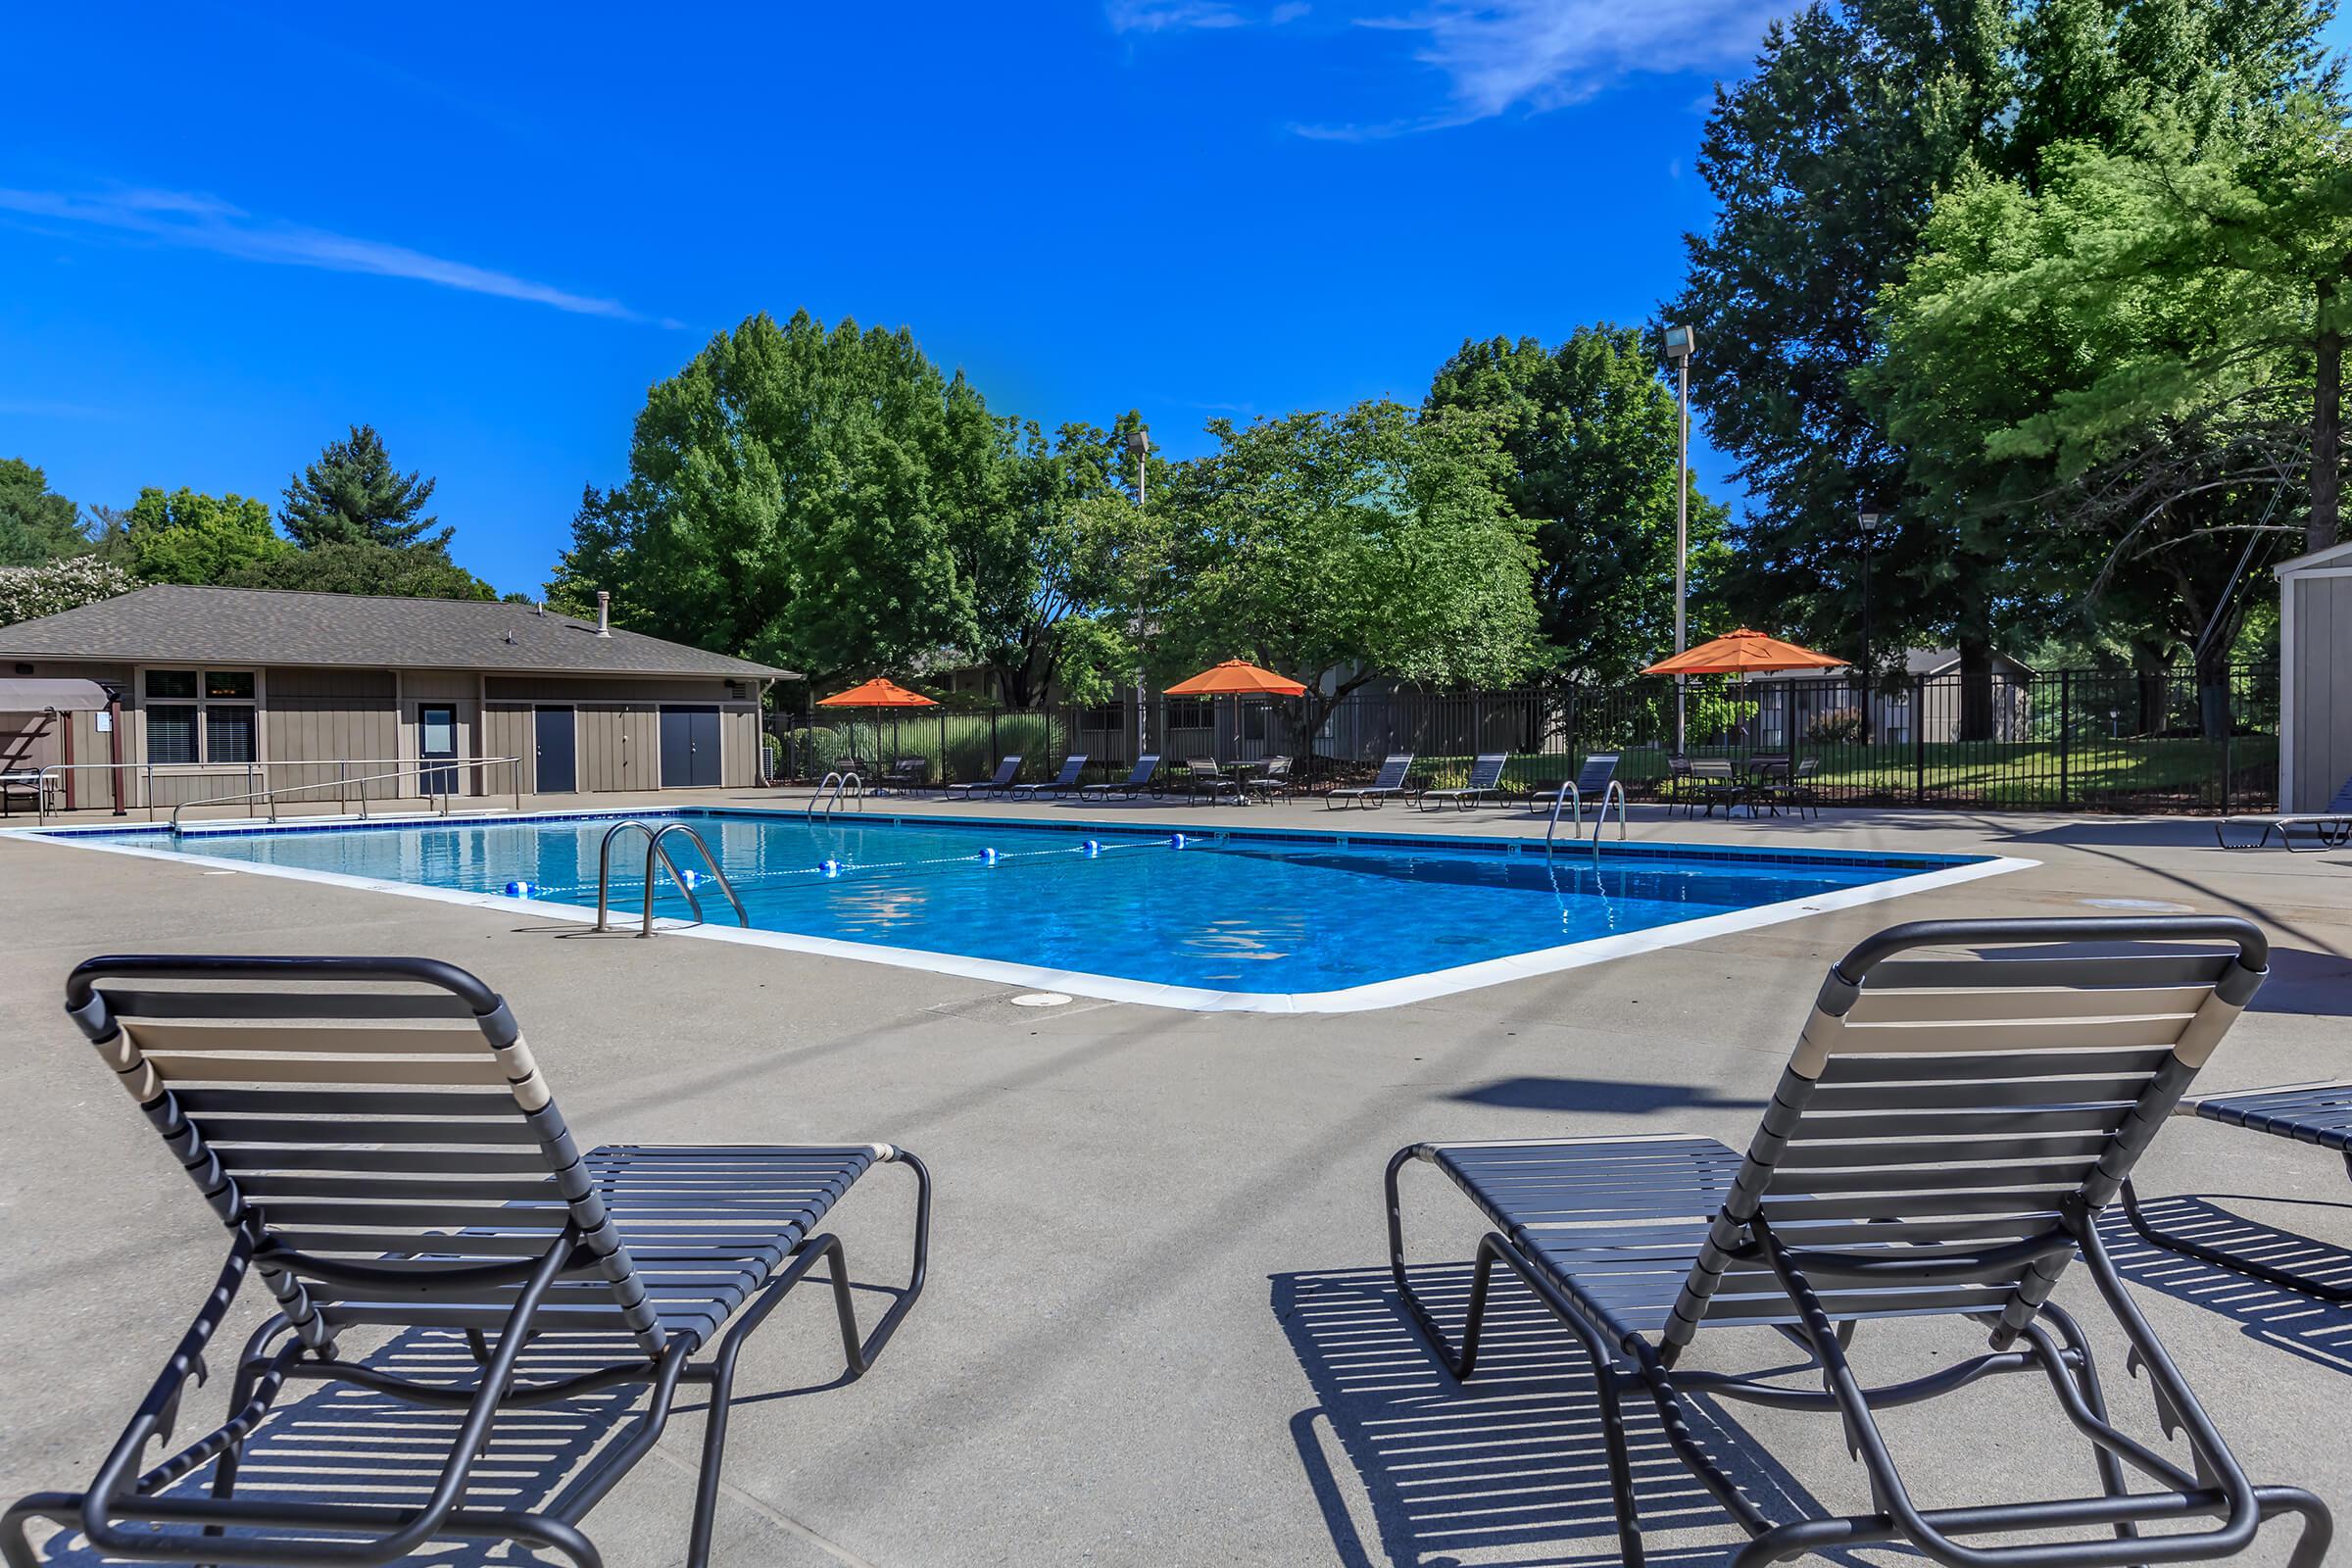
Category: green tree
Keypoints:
(1591, 433)
(1338, 548)
(36, 523)
(1825, 166)
(187, 536)
(363, 567)
(795, 495)
(352, 494)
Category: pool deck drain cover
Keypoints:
(1041, 999)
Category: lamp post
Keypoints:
(1868, 514)
(1139, 447)
(1679, 342)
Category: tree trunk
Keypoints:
(2150, 671)
(1976, 686)
(2212, 690)
(2320, 528)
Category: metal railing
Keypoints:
(342, 782)
(655, 851)
(142, 778)
(1573, 797)
(843, 786)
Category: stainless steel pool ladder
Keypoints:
(655, 851)
(1601, 818)
(843, 785)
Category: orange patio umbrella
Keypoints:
(877, 693)
(1743, 652)
(1237, 677)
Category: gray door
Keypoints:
(558, 754)
(689, 747)
(436, 739)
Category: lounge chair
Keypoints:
(1592, 783)
(2307, 1113)
(1204, 777)
(1389, 780)
(1485, 779)
(995, 784)
(1129, 788)
(1939, 1144)
(386, 1155)
(2330, 829)
(1068, 780)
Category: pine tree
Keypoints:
(353, 495)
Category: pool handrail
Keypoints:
(844, 786)
(654, 851)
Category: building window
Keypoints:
(201, 718)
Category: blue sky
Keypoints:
(226, 234)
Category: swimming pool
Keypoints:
(1218, 918)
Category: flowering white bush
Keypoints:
(67, 583)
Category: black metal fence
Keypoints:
(2071, 739)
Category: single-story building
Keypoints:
(217, 691)
(1794, 706)
(2315, 677)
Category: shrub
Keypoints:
(1839, 726)
(28, 592)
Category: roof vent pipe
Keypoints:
(604, 614)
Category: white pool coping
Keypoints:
(1115, 988)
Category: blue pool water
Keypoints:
(1231, 911)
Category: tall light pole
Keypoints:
(1868, 514)
(1138, 446)
(1680, 340)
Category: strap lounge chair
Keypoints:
(907, 774)
(1389, 780)
(1591, 783)
(1068, 780)
(1939, 1144)
(995, 784)
(386, 1155)
(2308, 1113)
(1205, 779)
(2330, 829)
(1129, 788)
(1485, 779)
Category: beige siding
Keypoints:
(741, 729)
(2322, 690)
(506, 731)
(619, 746)
(313, 719)
(460, 690)
(610, 689)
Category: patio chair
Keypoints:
(1068, 780)
(1270, 779)
(1793, 792)
(1592, 781)
(1204, 777)
(386, 1155)
(907, 773)
(1715, 782)
(1940, 1145)
(2307, 1113)
(1389, 780)
(995, 784)
(1485, 779)
(1129, 788)
(2330, 829)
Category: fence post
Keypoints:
(2066, 733)
(1919, 740)
(2228, 728)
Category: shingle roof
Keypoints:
(176, 624)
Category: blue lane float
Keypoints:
(690, 878)
(988, 857)
(1177, 841)
(521, 890)
(1091, 847)
(829, 868)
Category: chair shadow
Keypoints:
(2318, 1331)
(1507, 1471)
(1599, 1095)
(342, 1443)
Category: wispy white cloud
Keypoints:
(1172, 16)
(205, 222)
(1288, 11)
(1501, 55)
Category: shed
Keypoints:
(2315, 677)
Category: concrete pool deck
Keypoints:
(1158, 1329)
